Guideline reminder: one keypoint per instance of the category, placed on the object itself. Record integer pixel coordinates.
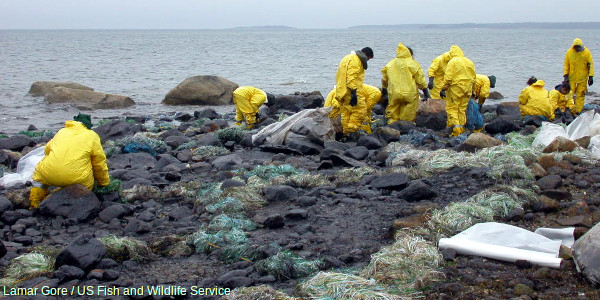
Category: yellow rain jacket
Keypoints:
(437, 70)
(401, 77)
(73, 156)
(459, 79)
(481, 89)
(350, 76)
(247, 101)
(559, 100)
(579, 66)
(534, 101)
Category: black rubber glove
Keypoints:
(566, 78)
(353, 98)
(426, 94)
(443, 94)
(430, 85)
(383, 92)
(480, 106)
(591, 80)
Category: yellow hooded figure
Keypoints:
(579, 71)
(561, 98)
(534, 101)
(436, 72)
(247, 100)
(73, 156)
(368, 96)
(459, 80)
(401, 77)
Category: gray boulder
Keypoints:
(3, 250)
(84, 252)
(202, 90)
(208, 113)
(73, 201)
(140, 160)
(278, 193)
(41, 88)
(394, 181)
(417, 190)
(16, 142)
(502, 124)
(358, 152)
(117, 129)
(227, 162)
(436, 121)
(5, 204)
(587, 254)
(85, 99)
(114, 211)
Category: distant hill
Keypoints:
(267, 27)
(532, 25)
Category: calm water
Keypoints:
(146, 64)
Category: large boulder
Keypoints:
(432, 106)
(417, 190)
(392, 181)
(41, 88)
(502, 124)
(74, 201)
(561, 144)
(117, 129)
(508, 109)
(435, 121)
(587, 255)
(227, 162)
(85, 99)
(495, 95)
(16, 142)
(85, 252)
(296, 102)
(202, 90)
(478, 141)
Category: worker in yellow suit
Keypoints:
(459, 79)
(73, 156)
(579, 72)
(481, 89)
(247, 100)
(349, 78)
(436, 72)
(401, 78)
(561, 98)
(368, 96)
(534, 101)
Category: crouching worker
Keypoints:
(561, 99)
(73, 156)
(534, 101)
(247, 101)
(368, 96)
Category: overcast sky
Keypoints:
(199, 14)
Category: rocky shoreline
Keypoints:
(199, 205)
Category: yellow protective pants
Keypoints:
(457, 102)
(352, 116)
(437, 87)
(579, 89)
(246, 109)
(401, 107)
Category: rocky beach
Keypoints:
(199, 209)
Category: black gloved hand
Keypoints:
(443, 94)
(480, 106)
(430, 84)
(566, 78)
(426, 94)
(591, 80)
(383, 92)
(353, 98)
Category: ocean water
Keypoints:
(146, 64)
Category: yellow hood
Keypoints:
(539, 83)
(577, 42)
(402, 51)
(455, 51)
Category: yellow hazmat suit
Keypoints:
(579, 66)
(459, 79)
(481, 89)
(437, 70)
(534, 101)
(350, 76)
(247, 101)
(561, 101)
(73, 156)
(368, 96)
(401, 77)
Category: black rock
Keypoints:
(117, 129)
(114, 211)
(448, 254)
(73, 201)
(550, 182)
(176, 141)
(336, 145)
(277, 193)
(85, 252)
(557, 194)
(140, 160)
(305, 147)
(236, 282)
(515, 215)
(274, 221)
(231, 183)
(208, 113)
(183, 117)
(208, 139)
(370, 142)
(501, 124)
(135, 174)
(137, 226)
(3, 250)
(394, 181)
(358, 152)
(5, 204)
(107, 263)
(173, 176)
(227, 162)
(67, 272)
(7, 160)
(508, 110)
(16, 142)
(136, 119)
(306, 201)
(417, 190)
(25, 240)
(523, 264)
(169, 133)
(403, 126)
(297, 214)
(432, 121)
(180, 213)
(534, 120)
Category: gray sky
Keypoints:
(198, 14)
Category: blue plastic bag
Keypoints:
(474, 117)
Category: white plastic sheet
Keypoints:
(510, 243)
(549, 132)
(594, 146)
(587, 124)
(25, 168)
(275, 133)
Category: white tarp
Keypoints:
(510, 243)
(587, 124)
(25, 168)
(276, 133)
